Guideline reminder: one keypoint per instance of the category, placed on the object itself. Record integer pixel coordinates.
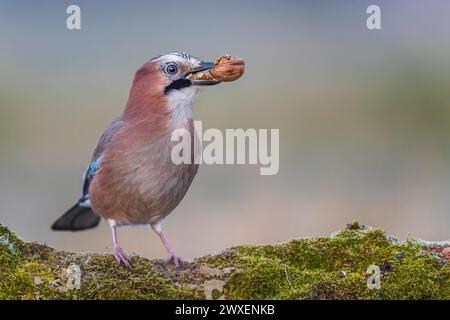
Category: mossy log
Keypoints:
(334, 267)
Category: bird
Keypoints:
(131, 179)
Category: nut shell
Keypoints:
(228, 68)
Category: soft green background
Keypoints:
(364, 116)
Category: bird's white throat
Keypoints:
(180, 102)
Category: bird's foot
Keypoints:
(176, 260)
(121, 257)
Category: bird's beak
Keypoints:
(200, 76)
(205, 65)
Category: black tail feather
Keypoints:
(77, 218)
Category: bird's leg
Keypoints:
(177, 261)
(120, 256)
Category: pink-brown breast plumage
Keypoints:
(139, 184)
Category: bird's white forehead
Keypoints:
(175, 56)
(181, 54)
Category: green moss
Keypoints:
(314, 268)
(335, 268)
(38, 272)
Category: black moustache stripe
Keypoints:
(177, 85)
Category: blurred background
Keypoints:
(364, 116)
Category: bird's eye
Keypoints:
(171, 69)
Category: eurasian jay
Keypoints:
(131, 179)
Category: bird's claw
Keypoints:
(176, 260)
(121, 257)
